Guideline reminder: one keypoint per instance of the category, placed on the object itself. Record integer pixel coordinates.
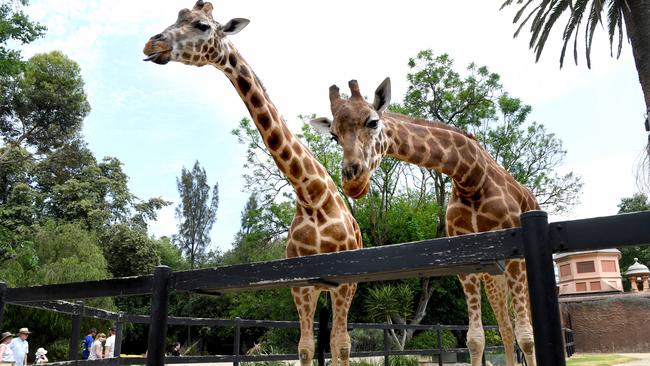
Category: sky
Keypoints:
(157, 119)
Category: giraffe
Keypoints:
(322, 222)
(484, 196)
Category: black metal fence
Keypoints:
(536, 241)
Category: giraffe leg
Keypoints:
(518, 287)
(475, 335)
(497, 293)
(305, 299)
(340, 341)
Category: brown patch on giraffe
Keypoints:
(469, 287)
(264, 120)
(287, 134)
(244, 85)
(459, 140)
(404, 149)
(340, 302)
(309, 211)
(211, 49)
(435, 158)
(285, 153)
(305, 234)
(494, 206)
(327, 246)
(274, 140)
(295, 170)
(320, 217)
(485, 223)
(232, 59)
(291, 252)
(297, 148)
(315, 189)
(222, 62)
(453, 157)
(307, 251)
(243, 70)
(390, 150)
(304, 290)
(301, 194)
(309, 167)
(196, 58)
(204, 48)
(228, 70)
(186, 56)
(473, 300)
(256, 100)
(513, 269)
(335, 231)
(445, 140)
(330, 207)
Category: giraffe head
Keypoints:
(358, 127)
(194, 39)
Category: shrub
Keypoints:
(428, 339)
(367, 339)
(403, 361)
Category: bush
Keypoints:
(403, 361)
(281, 340)
(367, 339)
(492, 338)
(428, 339)
(363, 363)
(58, 350)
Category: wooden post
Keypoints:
(541, 288)
(237, 341)
(119, 328)
(73, 349)
(158, 323)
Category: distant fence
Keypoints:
(536, 241)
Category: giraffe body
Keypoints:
(484, 196)
(322, 222)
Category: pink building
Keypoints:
(589, 272)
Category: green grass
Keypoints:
(598, 360)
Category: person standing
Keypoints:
(109, 347)
(6, 353)
(20, 347)
(88, 343)
(96, 349)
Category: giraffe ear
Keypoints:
(382, 96)
(234, 26)
(321, 125)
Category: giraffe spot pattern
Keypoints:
(244, 85)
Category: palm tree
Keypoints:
(635, 14)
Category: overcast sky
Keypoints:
(157, 119)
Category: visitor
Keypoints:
(6, 353)
(88, 343)
(176, 351)
(96, 348)
(40, 356)
(20, 346)
(109, 347)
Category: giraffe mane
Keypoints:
(424, 122)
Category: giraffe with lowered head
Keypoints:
(484, 196)
(322, 222)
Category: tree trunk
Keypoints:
(637, 23)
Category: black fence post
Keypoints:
(73, 349)
(541, 287)
(119, 328)
(158, 323)
(3, 291)
(323, 336)
(439, 333)
(237, 341)
(386, 348)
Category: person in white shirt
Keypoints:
(40, 356)
(6, 353)
(20, 347)
(109, 347)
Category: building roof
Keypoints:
(562, 255)
(637, 269)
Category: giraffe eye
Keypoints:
(334, 138)
(372, 123)
(202, 26)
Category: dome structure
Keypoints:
(637, 269)
(639, 277)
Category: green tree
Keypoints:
(638, 202)
(389, 302)
(15, 25)
(196, 212)
(43, 107)
(128, 251)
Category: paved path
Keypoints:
(644, 359)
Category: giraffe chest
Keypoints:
(493, 210)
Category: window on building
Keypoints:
(565, 270)
(595, 286)
(585, 267)
(581, 286)
(608, 266)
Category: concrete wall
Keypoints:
(614, 323)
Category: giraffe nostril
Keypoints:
(157, 37)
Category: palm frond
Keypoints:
(615, 22)
(594, 18)
(559, 8)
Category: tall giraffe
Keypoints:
(484, 196)
(322, 222)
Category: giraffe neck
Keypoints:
(305, 173)
(439, 147)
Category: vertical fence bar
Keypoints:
(158, 323)
(73, 349)
(119, 327)
(439, 334)
(541, 287)
(237, 341)
(3, 291)
(323, 335)
(386, 347)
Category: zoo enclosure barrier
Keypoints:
(536, 240)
